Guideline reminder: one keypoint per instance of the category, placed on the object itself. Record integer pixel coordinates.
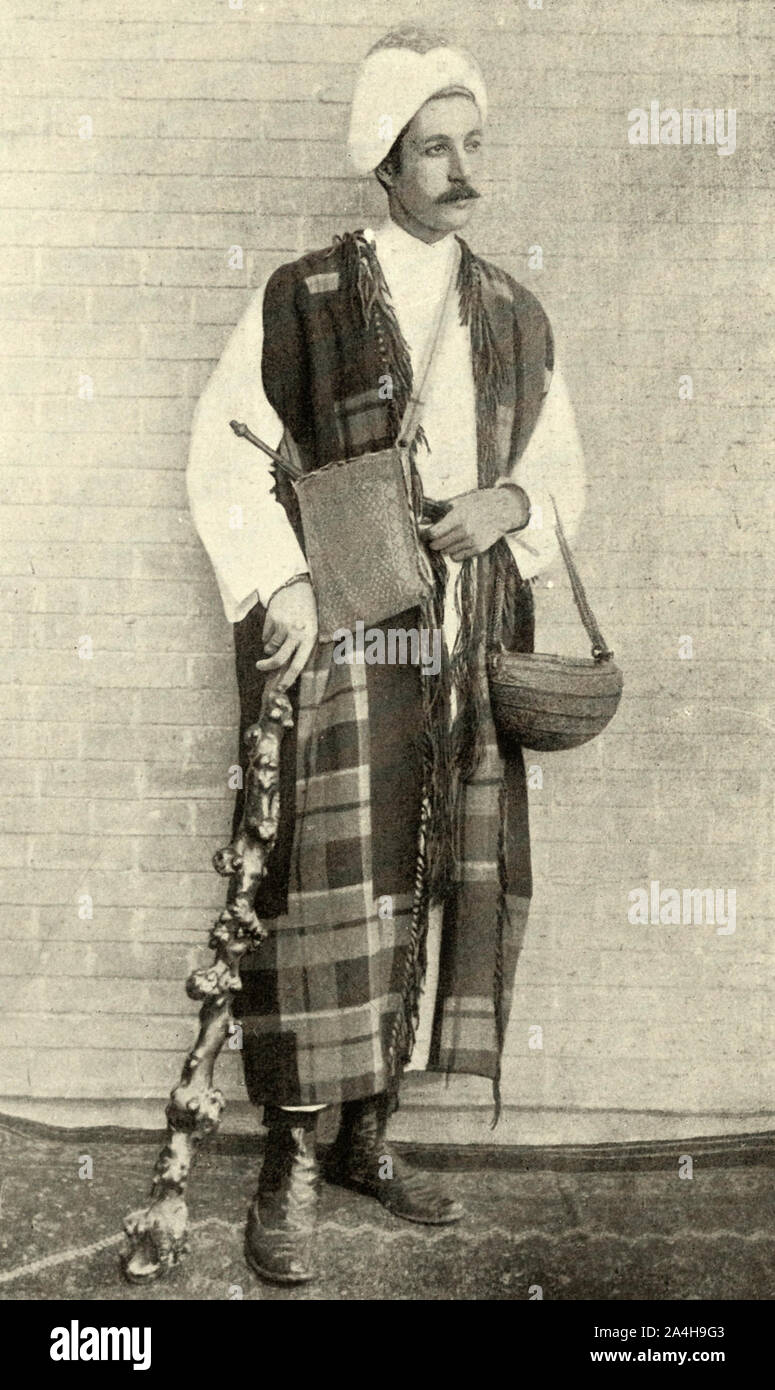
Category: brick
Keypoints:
(220, 306)
(81, 451)
(78, 706)
(182, 634)
(28, 812)
(217, 707)
(89, 488)
(106, 742)
(168, 417)
(123, 959)
(53, 302)
(66, 995)
(172, 780)
(57, 632)
(204, 341)
(159, 525)
(192, 854)
(79, 852)
(89, 266)
(31, 740)
(145, 817)
(19, 776)
(140, 304)
(118, 670)
(137, 597)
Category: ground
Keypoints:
(616, 1224)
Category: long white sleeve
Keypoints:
(552, 464)
(243, 527)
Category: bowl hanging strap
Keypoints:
(600, 651)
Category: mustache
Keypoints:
(459, 194)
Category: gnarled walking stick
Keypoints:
(157, 1233)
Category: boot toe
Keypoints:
(415, 1195)
(450, 1210)
(282, 1257)
(426, 1208)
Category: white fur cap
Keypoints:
(392, 85)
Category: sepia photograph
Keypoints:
(387, 704)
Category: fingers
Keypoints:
(296, 666)
(454, 534)
(280, 656)
(459, 509)
(272, 635)
(441, 529)
(295, 650)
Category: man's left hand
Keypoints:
(476, 520)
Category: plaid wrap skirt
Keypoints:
(333, 990)
(321, 995)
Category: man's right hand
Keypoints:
(290, 632)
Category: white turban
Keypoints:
(397, 77)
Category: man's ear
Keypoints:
(385, 174)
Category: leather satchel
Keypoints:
(361, 540)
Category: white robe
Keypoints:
(245, 531)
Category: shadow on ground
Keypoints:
(626, 1234)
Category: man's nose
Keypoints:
(458, 166)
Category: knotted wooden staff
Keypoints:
(157, 1233)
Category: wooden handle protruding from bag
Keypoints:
(244, 432)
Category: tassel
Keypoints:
(502, 919)
(488, 365)
(365, 281)
(404, 1028)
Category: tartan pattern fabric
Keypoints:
(323, 995)
(358, 419)
(325, 987)
(486, 909)
(471, 1016)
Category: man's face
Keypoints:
(437, 182)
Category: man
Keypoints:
(402, 859)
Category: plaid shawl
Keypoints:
(387, 812)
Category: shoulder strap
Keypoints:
(412, 417)
(599, 649)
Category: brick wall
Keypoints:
(210, 127)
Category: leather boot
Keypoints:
(363, 1159)
(283, 1214)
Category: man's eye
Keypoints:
(474, 145)
(435, 149)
